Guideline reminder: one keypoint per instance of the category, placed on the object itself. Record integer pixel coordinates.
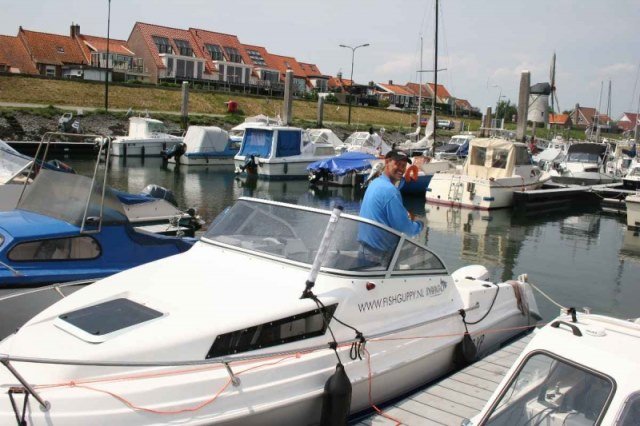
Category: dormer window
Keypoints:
(215, 52)
(233, 54)
(256, 57)
(162, 43)
(60, 49)
(184, 48)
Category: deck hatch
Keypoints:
(286, 330)
(107, 317)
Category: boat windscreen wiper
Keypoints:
(15, 272)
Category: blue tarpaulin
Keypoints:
(288, 143)
(257, 142)
(343, 164)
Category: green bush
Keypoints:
(384, 103)
(331, 98)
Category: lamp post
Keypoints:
(106, 77)
(353, 54)
(499, 96)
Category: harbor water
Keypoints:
(580, 258)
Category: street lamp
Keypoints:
(499, 95)
(106, 77)
(353, 53)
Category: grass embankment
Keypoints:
(91, 95)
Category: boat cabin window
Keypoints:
(110, 316)
(74, 248)
(523, 158)
(156, 127)
(286, 330)
(257, 142)
(295, 234)
(499, 158)
(288, 143)
(631, 411)
(549, 390)
(583, 157)
(478, 156)
(415, 258)
(324, 150)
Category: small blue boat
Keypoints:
(343, 170)
(69, 228)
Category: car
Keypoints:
(445, 124)
(423, 122)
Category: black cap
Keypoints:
(396, 154)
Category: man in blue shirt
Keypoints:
(383, 203)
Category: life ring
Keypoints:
(411, 174)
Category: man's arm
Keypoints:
(399, 217)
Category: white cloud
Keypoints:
(397, 64)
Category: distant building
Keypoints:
(585, 117)
(627, 122)
(318, 81)
(53, 55)
(560, 120)
(14, 57)
(397, 95)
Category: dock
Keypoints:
(460, 395)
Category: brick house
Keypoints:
(627, 122)
(397, 95)
(318, 81)
(14, 57)
(560, 120)
(52, 54)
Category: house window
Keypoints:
(234, 74)
(60, 49)
(215, 52)
(272, 76)
(162, 43)
(286, 330)
(75, 248)
(256, 57)
(299, 84)
(321, 85)
(50, 71)
(233, 54)
(184, 48)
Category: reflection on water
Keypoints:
(580, 258)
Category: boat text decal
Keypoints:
(408, 296)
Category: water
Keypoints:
(580, 258)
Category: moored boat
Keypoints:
(584, 164)
(147, 137)
(256, 346)
(203, 146)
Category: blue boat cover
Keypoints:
(130, 199)
(343, 164)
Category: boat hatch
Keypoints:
(286, 330)
(98, 322)
(551, 390)
(294, 234)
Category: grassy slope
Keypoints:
(83, 94)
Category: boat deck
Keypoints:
(454, 398)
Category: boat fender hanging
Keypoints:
(411, 174)
(466, 351)
(336, 400)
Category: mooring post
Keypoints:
(320, 110)
(486, 124)
(184, 108)
(523, 105)
(288, 98)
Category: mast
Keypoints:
(435, 78)
(553, 86)
(419, 94)
(597, 117)
(635, 131)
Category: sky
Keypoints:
(484, 45)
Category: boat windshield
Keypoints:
(547, 390)
(11, 162)
(583, 157)
(295, 234)
(64, 196)
(156, 127)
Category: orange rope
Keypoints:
(377, 410)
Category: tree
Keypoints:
(506, 110)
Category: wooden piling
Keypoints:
(320, 110)
(523, 105)
(288, 98)
(184, 108)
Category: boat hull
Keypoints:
(583, 178)
(633, 212)
(279, 169)
(142, 147)
(213, 160)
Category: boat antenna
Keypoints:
(322, 251)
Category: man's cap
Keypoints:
(396, 154)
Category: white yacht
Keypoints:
(204, 146)
(580, 369)
(324, 136)
(621, 160)
(147, 137)
(456, 147)
(366, 142)
(273, 302)
(493, 171)
(554, 152)
(279, 152)
(633, 211)
(584, 164)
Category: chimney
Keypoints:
(339, 75)
(74, 30)
(390, 82)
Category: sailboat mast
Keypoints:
(418, 120)
(435, 78)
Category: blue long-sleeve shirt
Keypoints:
(383, 203)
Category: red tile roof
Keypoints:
(223, 40)
(442, 93)
(415, 88)
(269, 62)
(628, 121)
(90, 44)
(150, 30)
(284, 63)
(312, 70)
(14, 54)
(397, 89)
(52, 49)
(558, 119)
(464, 104)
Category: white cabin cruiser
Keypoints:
(621, 160)
(279, 152)
(581, 369)
(256, 347)
(493, 171)
(237, 133)
(584, 164)
(204, 146)
(631, 179)
(554, 152)
(457, 147)
(366, 142)
(147, 137)
(323, 136)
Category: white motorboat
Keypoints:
(254, 328)
(620, 161)
(633, 211)
(204, 146)
(580, 369)
(237, 133)
(279, 152)
(553, 153)
(365, 142)
(147, 137)
(323, 136)
(493, 171)
(584, 164)
(457, 147)
(631, 180)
